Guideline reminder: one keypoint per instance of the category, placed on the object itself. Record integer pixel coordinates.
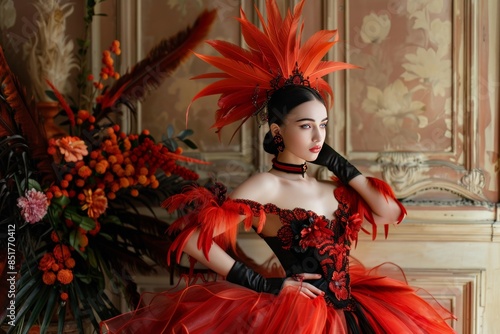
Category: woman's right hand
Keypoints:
(306, 289)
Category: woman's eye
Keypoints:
(322, 125)
(305, 126)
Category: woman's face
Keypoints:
(303, 132)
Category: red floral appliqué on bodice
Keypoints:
(307, 242)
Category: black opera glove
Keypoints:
(337, 164)
(244, 276)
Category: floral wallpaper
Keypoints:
(402, 98)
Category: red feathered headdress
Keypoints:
(274, 58)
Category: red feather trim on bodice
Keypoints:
(217, 217)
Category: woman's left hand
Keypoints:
(306, 289)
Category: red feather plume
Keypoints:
(160, 62)
(213, 220)
(275, 52)
(363, 209)
(20, 117)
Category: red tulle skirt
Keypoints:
(385, 304)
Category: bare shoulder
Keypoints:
(259, 187)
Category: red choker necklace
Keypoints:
(290, 168)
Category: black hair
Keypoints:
(281, 103)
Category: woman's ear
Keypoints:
(275, 129)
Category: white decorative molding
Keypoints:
(474, 181)
(409, 173)
(460, 290)
(401, 169)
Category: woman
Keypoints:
(309, 225)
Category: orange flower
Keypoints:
(115, 187)
(84, 171)
(65, 276)
(61, 252)
(73, 148)
(129, 170)
(49, 278)
(101, 166)
(96, 202)
(70, 263)
(142, 179)
(64, 296)
(127, 145)
(124, 182)
(112, 159)
(46, 262)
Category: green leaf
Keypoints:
(62, 318)
(55, 211)
(32, 184)
(49, 310)
(87, 223)
(170, 131)
(92, 259)
(38, 305)
(112, 220)
(73, 216)
(61, 201)
(51, 95)
(73, 239)
(184, 133)
(85, 279)
(106, 236)
(190, 144)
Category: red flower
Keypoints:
(61, 253)
(314, 234)
(46, 262)
(353, 226)
(65, 276)
(338, 285)
(49, 278)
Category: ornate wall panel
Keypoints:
(411, 114)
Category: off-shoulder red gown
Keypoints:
(356, 300)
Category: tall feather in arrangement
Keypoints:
(49, 53)
(274, 58)
(19, 118)
(159, 63)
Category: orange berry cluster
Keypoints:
(120, 162)
(108, 69)
(84, 115)
(57, 265)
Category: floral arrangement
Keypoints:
(70, 192)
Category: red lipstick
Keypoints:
(315, 149)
